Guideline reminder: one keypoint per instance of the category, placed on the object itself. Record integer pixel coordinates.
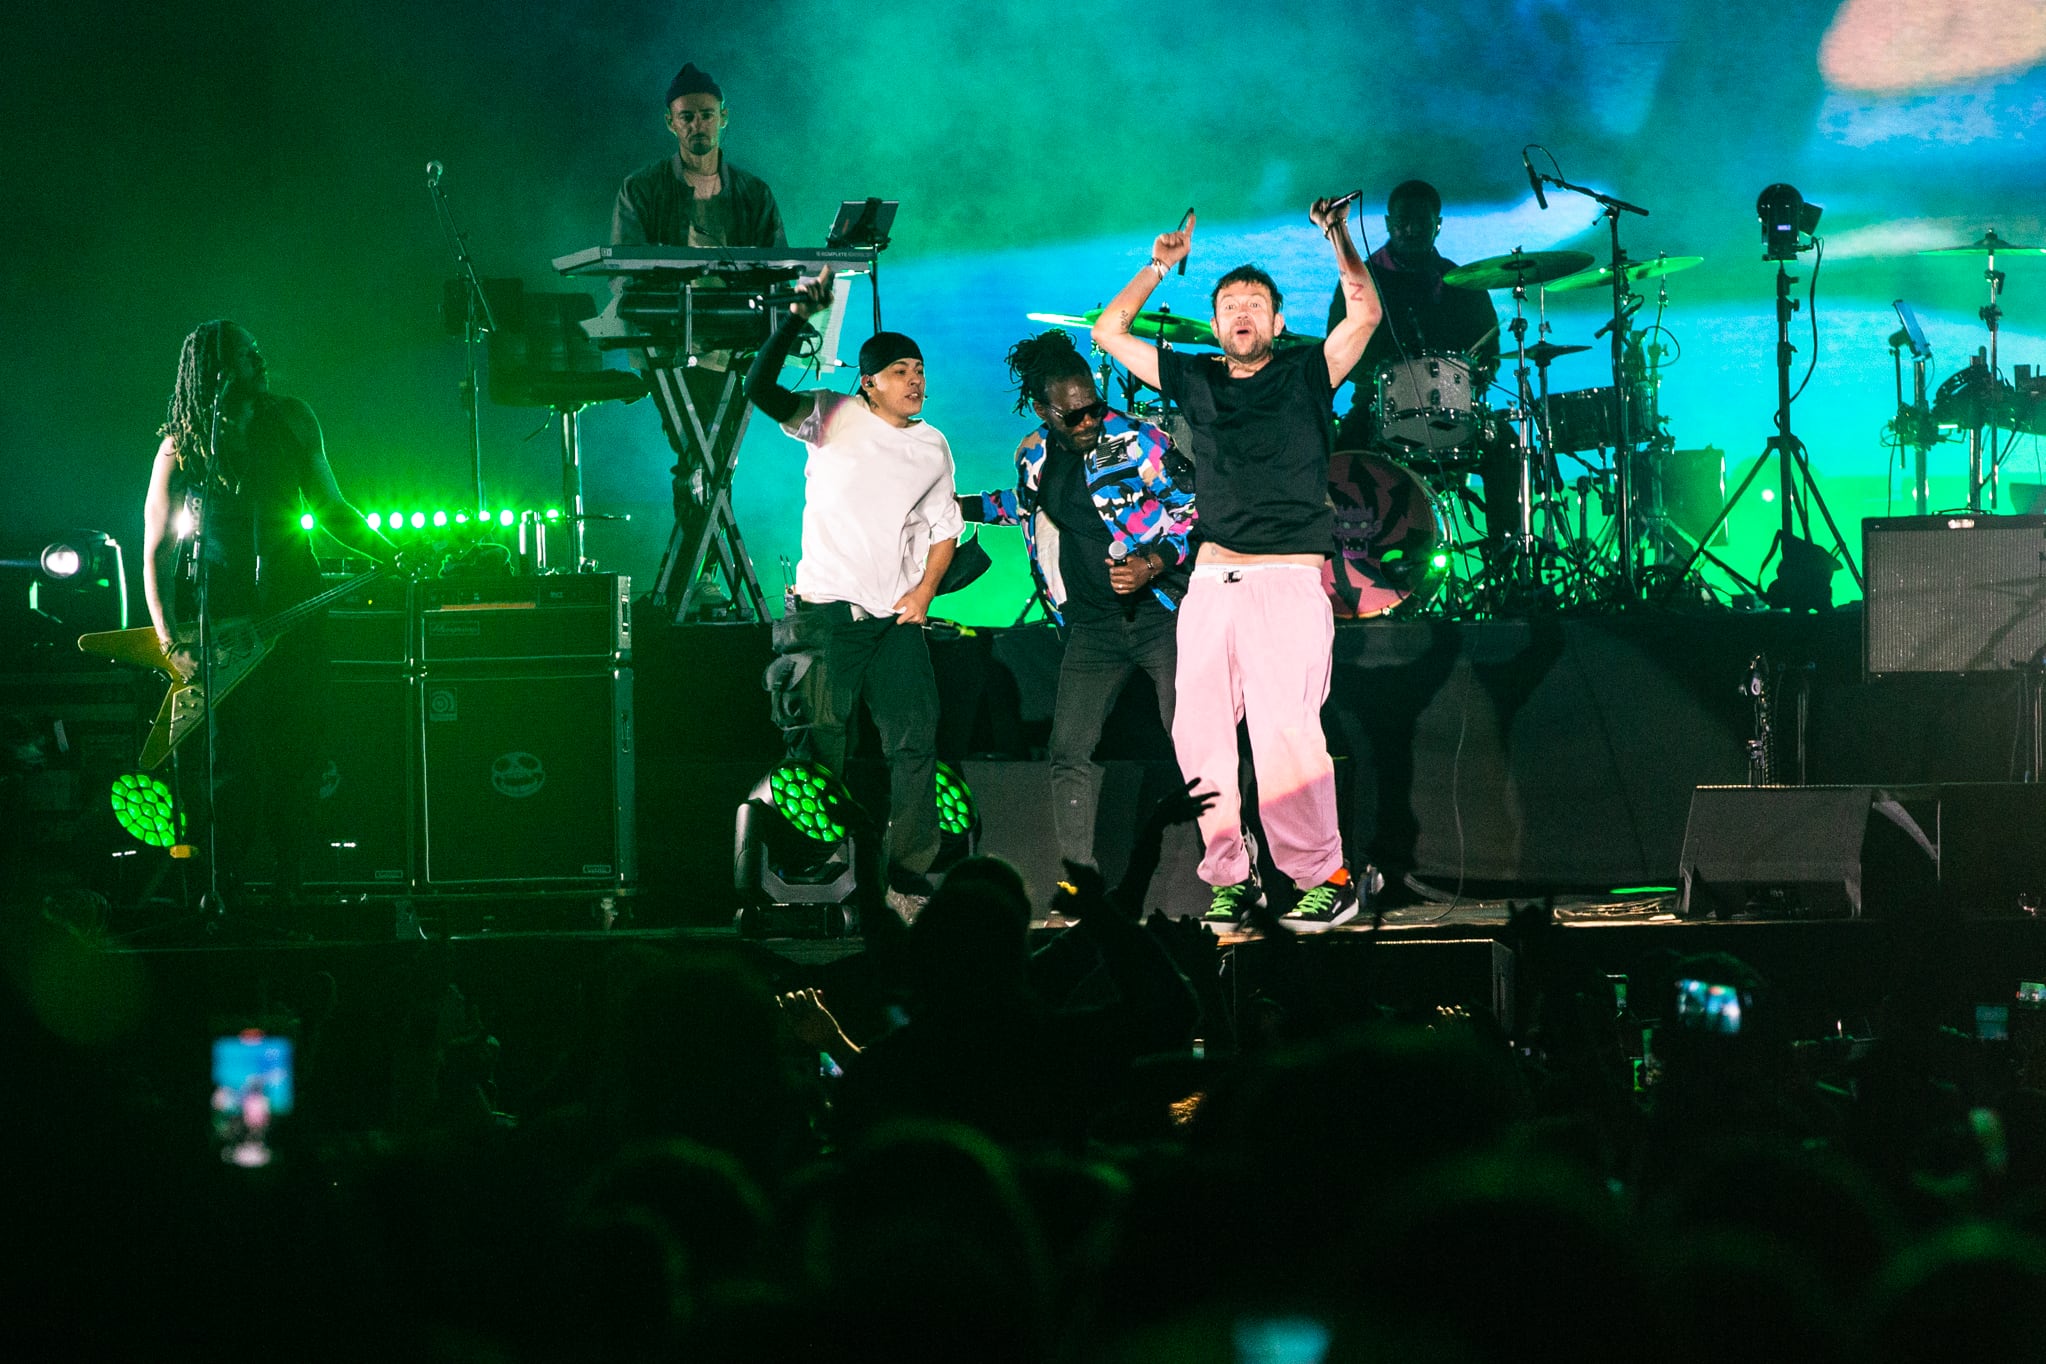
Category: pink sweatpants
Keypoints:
(1254, 644)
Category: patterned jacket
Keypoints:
(1133, 487)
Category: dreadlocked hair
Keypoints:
(191, 401)
(1037, 360)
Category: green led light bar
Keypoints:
(955, 802)
(144, 808)
(808, 798)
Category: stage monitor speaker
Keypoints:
(1953, 594)
(1810, 851)
(528, 779)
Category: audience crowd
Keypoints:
(1111, 1149)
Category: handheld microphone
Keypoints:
(1342, 205)
(1119, 550)
(434, 171)
(1534, 181)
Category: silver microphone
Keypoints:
(434, 171)
(1342, 205)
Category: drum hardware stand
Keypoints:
(1801, 577)
(1913, 423)
(478, 320)
(1611, 209)
(1985, 412)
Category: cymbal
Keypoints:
(1517, 267)
(1541, 352)
(1163, 326)
(1059, 319)
(1636, 270)
(1286, 339)
(1985, 244)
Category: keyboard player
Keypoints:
(695, 197)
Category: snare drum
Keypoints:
(1388, 531)
(1429, 402)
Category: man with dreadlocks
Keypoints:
(1105, 519)
(237, 467)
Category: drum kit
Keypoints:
(1412, 536)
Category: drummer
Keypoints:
(1421, 312)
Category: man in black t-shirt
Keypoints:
(1256, 629)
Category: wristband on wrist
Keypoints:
(1161, 267)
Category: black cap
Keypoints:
(883, 349)
(690, 81)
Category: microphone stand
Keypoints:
(1623, 429)
(477, 320)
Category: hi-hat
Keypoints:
(1517, 267)
(1636, 270)
(1987, 244)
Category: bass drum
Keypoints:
(1389, 533)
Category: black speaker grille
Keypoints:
(1954, 594)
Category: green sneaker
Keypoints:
(1233, 904)
(1334, 901)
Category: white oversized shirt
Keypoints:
(876, 498)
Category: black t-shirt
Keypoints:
(1083, 540)
(1261, 447)
(262, 560)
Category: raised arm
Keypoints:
(763, 382)
(1112, 328)
(1362, 310)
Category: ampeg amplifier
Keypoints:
(1953, 594)
(527, 778)
(372, 624)
(532, 618)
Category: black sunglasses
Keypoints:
(1096, 409)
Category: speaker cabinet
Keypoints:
(1811, 851)
(362, 824)
(527, 778)
(1954, 594)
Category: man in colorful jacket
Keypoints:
(1106, 520)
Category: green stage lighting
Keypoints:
(461, 518)
(305, 521)
(956, 814)
(419, 520)
(440, 518)
(396, 520)
(810, 799)
(505, 517)
(144, 807)
(375, 521)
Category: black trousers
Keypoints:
(889, 666)
(271, 758)
(1099, 658)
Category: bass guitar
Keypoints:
(184, 706)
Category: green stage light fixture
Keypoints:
(306, 522)
(440, 518)
(810, 799)
(505, 517)
(956, 813)
(374, 521)
(419, 520)
(144, 807)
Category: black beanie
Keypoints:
(690, 81)
(883, 349)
